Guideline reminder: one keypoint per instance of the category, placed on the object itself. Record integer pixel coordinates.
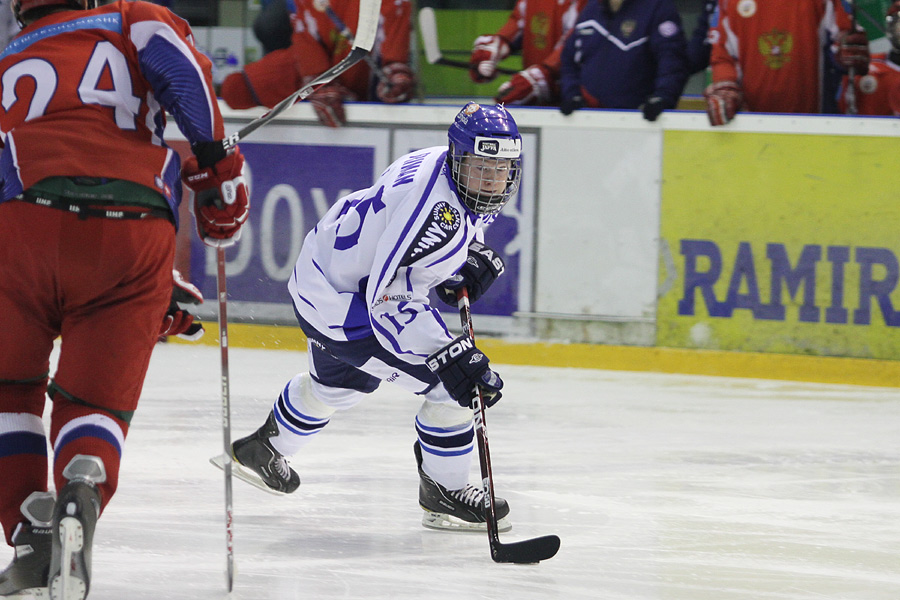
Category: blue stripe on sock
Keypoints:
(22, 442)
(445, 452)
(93, 431)
(290, 427)
(300, 421)
(458, 442)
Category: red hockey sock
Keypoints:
(78, 429)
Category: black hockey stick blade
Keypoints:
(525, 552)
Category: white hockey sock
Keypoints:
(300, 415)
(446, 433)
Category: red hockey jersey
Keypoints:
(776, 50)
(319, 45)
(878, 91)
(316, 46)
(84, 93)
(538, 29)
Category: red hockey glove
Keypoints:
(178, 321)
(399, 86)
(488, 51)
(219, 197)
(530, 86)
(328, 101)
(853, 51)
(723, 100)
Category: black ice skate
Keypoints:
(258, 463)
(27, 573)
(460, 510)
(74, 520)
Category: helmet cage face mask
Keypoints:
(485, 184)
(485, 157)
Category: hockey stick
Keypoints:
(428, 30)
(222, 294)
(526, 551)
(344, 31)
(366, 28)
(872, 20)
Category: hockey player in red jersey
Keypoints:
(88, 213)
(318, 44)
(537, 29)
(878, 91)
(767, 56)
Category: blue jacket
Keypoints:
(698, 48)
(619, 60)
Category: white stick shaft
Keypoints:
(428, 30)
(222, 296)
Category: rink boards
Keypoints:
(775, 234)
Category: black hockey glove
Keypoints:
(482, 267)
(652, 108)
(569, 105)
(461, 366)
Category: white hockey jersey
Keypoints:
(369, 264)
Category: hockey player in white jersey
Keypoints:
(360, 290)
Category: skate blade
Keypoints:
(244, 474)
(72, 581)
(445, 522)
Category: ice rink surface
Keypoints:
(661, 487)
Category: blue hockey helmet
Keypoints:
(485, 157)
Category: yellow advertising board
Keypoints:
(783, 243)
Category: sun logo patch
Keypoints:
(445, 216)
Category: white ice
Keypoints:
(661, 487)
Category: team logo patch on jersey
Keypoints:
(445, 216)
(668, 29)
(746, 8)
(868, 84)
(628, 26)
(776, 47)
(443, 222)
(540, 31)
